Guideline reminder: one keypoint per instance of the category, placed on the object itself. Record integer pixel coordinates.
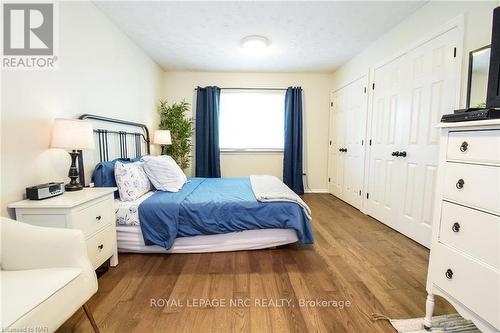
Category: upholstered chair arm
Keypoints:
(24, 246)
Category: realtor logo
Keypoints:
(28, 35)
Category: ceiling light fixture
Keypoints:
(255, 44)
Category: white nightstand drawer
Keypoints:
(471, 231)
(469, 282)
(90, 210)
(101, 246)
(92, 218)
(474, 185)
(474, 146)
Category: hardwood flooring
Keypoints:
(355, 259)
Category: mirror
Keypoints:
(479, 63)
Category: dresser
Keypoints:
(464, 264)
(90, 210)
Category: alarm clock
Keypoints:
(44, 191)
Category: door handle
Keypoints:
(399, 153)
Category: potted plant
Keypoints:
(173, 118)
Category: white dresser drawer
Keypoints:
(100, 246)
(469, 282)
(474, 185)
(471, 231)
(474, 146)
(94, 217)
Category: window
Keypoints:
(251, 120)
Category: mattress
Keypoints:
(130, 238)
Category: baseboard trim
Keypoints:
(315, 190)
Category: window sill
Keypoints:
(249, 151)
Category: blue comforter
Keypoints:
(207, 206)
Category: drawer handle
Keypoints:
(455, 227)
(98, 218)
(460, 184)
(449, 274)
(402, 154)
(100, 247)
(395, 153)
(464, 146)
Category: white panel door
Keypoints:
(347, 134)
(432, 91)
(338, 135)
(332, 150)
(411, 93)
(387, 124)
(355, 125)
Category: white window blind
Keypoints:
(251, 120)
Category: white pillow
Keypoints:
(164, 173)
(131, 180)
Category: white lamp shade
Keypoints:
(72, 134)
(162, 137)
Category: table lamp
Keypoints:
(163, 138)
(74, 135)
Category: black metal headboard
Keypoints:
(116, 142)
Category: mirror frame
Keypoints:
(469, 78)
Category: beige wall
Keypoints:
(429, 18)
(100, 71)
(180, 85)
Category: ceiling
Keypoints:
(205, 36)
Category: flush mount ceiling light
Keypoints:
(255, 44)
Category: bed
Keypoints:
(208, 214)
(130, 238)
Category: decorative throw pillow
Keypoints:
(104, 173)
(131, 180)
(164, 173)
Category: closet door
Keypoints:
(338, 133)
(411, 93)
(432, 91)
(332, 155)
(355, 132)
(347, 133)
(387, 126)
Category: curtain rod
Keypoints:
(250, 89)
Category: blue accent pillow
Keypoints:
(104, 172)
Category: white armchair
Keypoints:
(45, 276)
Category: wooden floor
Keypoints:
(355, 259)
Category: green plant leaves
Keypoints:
(173, 118)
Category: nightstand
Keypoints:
(90, 210)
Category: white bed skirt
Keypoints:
(130, 240)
